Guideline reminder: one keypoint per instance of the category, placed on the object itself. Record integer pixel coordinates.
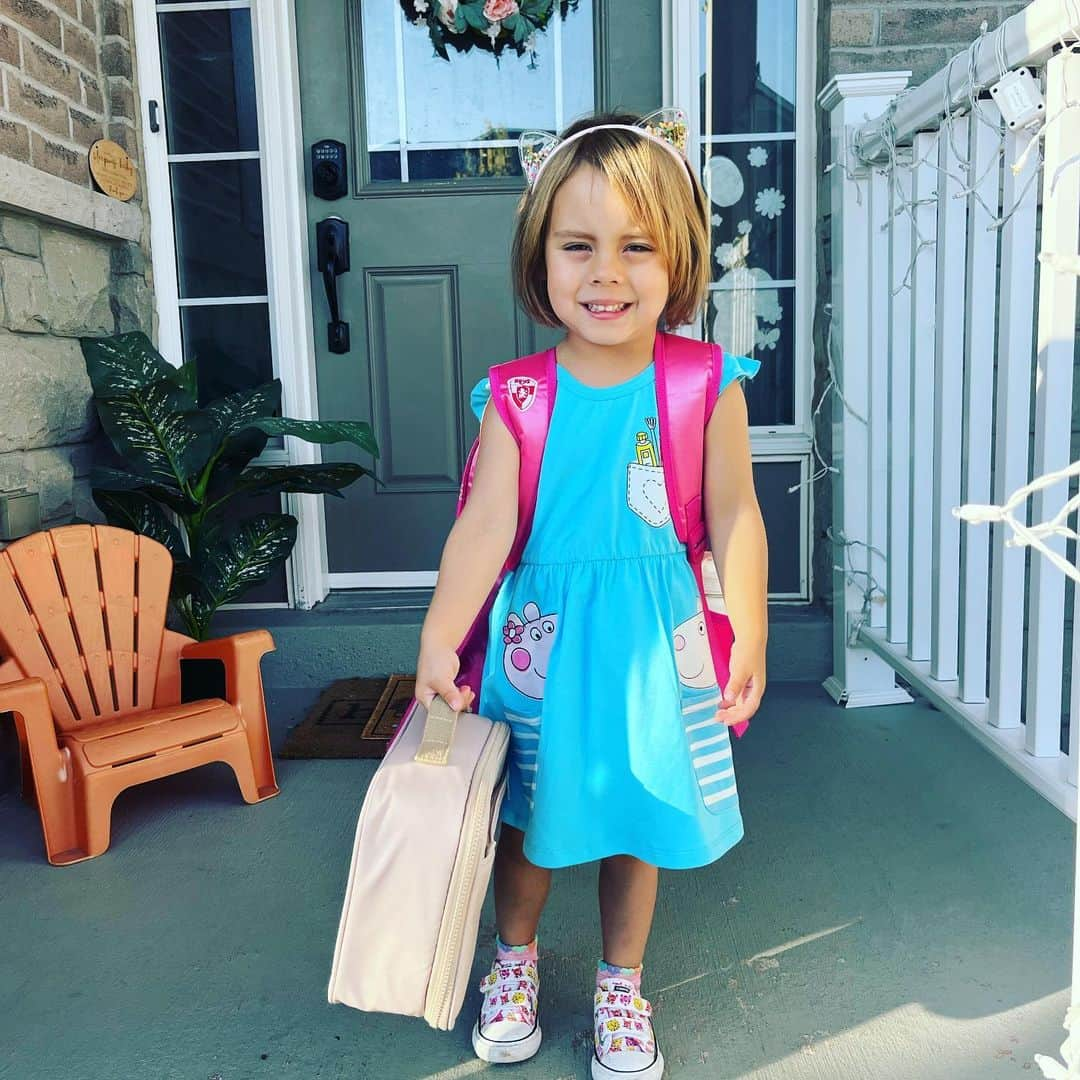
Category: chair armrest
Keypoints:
(43, 762)
(240, 653)
(29, 699)
(231, 649)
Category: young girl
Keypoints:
(612, 236)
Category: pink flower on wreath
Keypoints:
(448, 13)
(496, 10)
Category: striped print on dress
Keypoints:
(710, 753)
(524, 747)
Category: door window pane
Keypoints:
(751, 188)
(427, 111)
(747, 152)
(748, 318)
(219, 228)
(230, 344)
(749, 52)
(207, 67)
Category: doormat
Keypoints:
(352, 718)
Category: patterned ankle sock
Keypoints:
(604, 970)
(515, 953)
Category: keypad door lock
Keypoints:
(329, 171)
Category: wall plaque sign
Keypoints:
(113, 171)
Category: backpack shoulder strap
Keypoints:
(523, 393)
(687, 379)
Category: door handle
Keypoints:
(332, 246)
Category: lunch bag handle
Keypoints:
(439, 727)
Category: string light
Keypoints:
(873, 587)
(1031, 536)
(885, 131)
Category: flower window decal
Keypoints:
(770, 202)
(758, 156)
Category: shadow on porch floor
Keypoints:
(899, 908)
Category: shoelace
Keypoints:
(510, 993)
(623, 1022)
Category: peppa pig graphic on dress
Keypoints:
(527, 641)
(646, 493)
(692, 655)
(706, 734)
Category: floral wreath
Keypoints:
(487, 24)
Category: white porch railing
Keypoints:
(939, 265)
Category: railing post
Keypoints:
(860, 677)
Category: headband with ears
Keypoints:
(666, 127)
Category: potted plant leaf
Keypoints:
(183, 466)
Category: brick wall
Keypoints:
(67, 78)
(902, 35)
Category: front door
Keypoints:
(433, 181)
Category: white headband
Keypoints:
(665, 127)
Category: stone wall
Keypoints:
(67, 79)
(73, 262)
(861, 36)
(56, 285)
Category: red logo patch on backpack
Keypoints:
(522, 391)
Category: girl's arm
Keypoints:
(739, 545)
(472, 557)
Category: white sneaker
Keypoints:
(508, 1028)
(624, 1041)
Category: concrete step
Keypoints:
(377, 632)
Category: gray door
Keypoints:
(433, 184)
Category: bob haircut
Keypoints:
(671, 212)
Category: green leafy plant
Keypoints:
(183, 466)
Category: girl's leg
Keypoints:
(508, 1027)
(627, 891)
(521, 889)
(624, 1042)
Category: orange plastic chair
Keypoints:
(93, 678)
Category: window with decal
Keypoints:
(747, 155)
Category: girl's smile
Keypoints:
(606, 309)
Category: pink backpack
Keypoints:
(688, 376)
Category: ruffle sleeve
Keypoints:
(737, 367)
(478, 399)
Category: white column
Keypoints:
(982, 262)
(158, 187)
(860, 677)
(951, 251)
(1055, 352)
(288, 275)
(1016, 316)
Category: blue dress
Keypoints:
(597, 656)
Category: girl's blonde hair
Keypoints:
(652, 184)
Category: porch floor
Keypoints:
(899, 908)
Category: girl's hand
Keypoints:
(436, 669)
(746, 684)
